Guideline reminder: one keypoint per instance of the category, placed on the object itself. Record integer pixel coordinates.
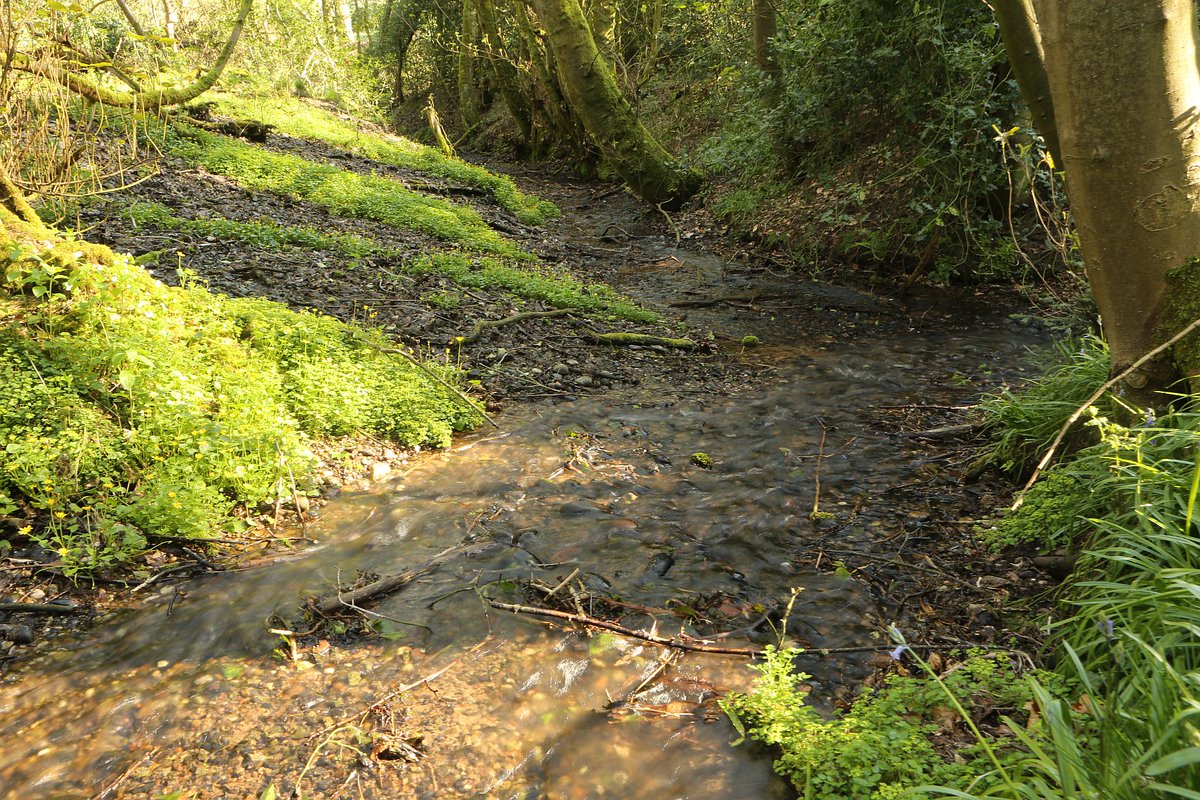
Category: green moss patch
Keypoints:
(339, 191)
(264, 234)
(296, 118)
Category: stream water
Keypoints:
(192, 693)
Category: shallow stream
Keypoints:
(193, 694)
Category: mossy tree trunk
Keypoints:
(504, 70)
(1123, 89)
(470, 87)
(591, 89)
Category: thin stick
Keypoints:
(1062, 433)
(417, 363)
(40, 608)
(816, 509)
(583, 619)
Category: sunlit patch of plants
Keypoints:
(264, 233)
(910, 733)
(519, 278)
(339, 191)
(550, 286)
(296, 118)
(136, 410)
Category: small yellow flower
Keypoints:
(25, 531)
(60, 514)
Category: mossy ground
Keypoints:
(295, 117)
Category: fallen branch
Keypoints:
(483, 325)
(389, 584)
(583, 619)
(39, 608)
(946, 431)
(644, 339)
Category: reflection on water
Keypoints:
(188, 694)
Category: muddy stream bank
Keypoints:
(812, 485)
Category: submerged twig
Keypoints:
(583, 619)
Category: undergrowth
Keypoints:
(519, 278)
(136, 410)
(296, 118)
(337, 190)
(907, 734)
(1025, 421)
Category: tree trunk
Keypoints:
(1023, 44)
(470, 88)
(504, 71)
(408, 22)
(591, 89)
(766, 28)
(150, 100)
(1126, 92)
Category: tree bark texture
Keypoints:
(591, 89)
(1126, 92)
(504, 70)
(470, 87)
(765, 28)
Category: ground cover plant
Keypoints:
(294, 117)
(337, 190)
(138, 410)
(908, 734)
(522, 279)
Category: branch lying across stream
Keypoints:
(392, 583)
(583, 619)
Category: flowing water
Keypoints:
(193, 694)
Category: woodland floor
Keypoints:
(603, 235)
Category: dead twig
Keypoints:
(483, 325)
(583, 619)
(390, 583)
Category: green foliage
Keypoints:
(1024, 422)
(134, 409)
(265, 233)
(339, 191)
(519, 278)
(555, 288)
(884, 745)
(1054, 514)
(1129, 638)
(296, 118)
(877, 135)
